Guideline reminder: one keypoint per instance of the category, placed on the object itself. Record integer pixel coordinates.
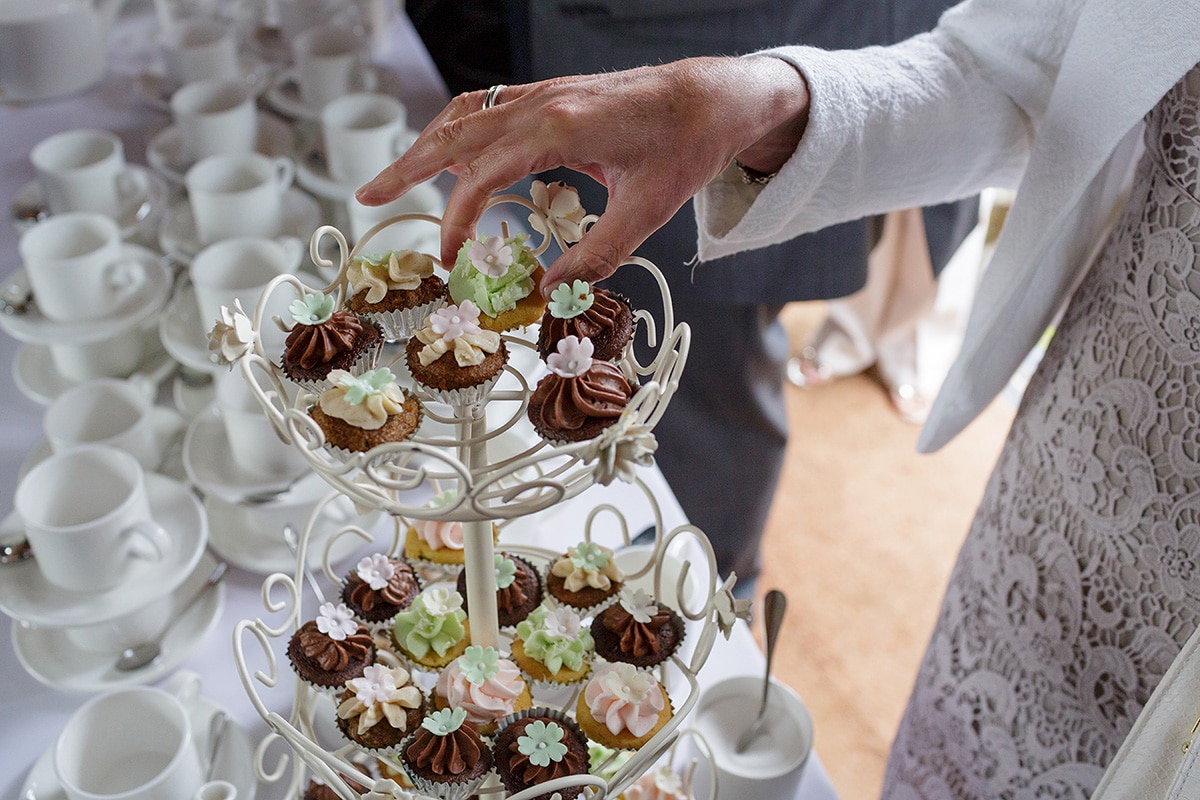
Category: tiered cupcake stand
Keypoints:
(399, 478)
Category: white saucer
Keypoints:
(181, 332)
(35, 374)
(51, 657)
(164, 152)
(140, 304)
(312, 172)
(179, 240)
(191, 398)
(155, 89)
(234, 762)
(284, 94)
(141, 206)
(26, 596)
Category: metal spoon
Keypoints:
(774, 607)
(15, 549)
(216, 734)
(289, 536)
(139, 655)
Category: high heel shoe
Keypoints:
(805, 371)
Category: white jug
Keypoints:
(50, 48)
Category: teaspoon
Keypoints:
(139, 655)
(774, 607)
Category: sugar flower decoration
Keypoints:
(444, 499)
(444, 722)
(569, 301)
(360, 387)
(729, 609)
(233, 334)
(479, 663)
(620, 450)
(559, 211)
(589, 556)
(506, 571)
(639, 605)
(336, 622)
(441, 601)
(381, 693)
(542, 742)
(451, 322)
(376, 570)
(312, 309)
(562, 623)
(491, 256)
(572, 358)
(629, 683)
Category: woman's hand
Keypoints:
(654, 136)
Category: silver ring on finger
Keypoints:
(490, 97)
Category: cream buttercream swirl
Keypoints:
(378, 275)
(625, 698)
(365, 401)
(456, 328)
(381, 693)
(494, 697)
(587, 564)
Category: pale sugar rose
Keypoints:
(376, 570)
(572, 358)
(625, 698)
(491, 256)
(440, 535)
(381, 693)
(232, 337)
(561, 211)
(336, 622)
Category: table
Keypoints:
(34, 713)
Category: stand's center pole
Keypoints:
(478, 545)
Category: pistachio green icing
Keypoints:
(554, 649)
(418, 629)
(494, 295)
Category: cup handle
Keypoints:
(123, 278)
(185, 686)
(216, 790)
(285, 171)
(293, 249)
(128, 185)
(147, 539)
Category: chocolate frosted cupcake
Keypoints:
(322, 340)
(580, 397)
(500, 275)
(587, 578)
(333, 648)
(446, 757)
(379, 709)
(359, 412)
(518, 589)
(537, 746)
(379, 587)
(398, 290)
(586, 312)
(453, 358)
(637, 630)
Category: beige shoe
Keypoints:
(805, 372)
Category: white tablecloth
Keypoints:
(33, 713)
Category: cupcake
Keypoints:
(379, 709)
(432, 631)
(379, 587)
(359, 412)
(487, 686)
(622, 707)
(552, 647)
(398, 290)
(586, 312)
(446, 757)
(499, 275)
(323, 339)
(438, 542)
(539, 746)
(453, 358)
(580, 397)
(333, 648)
(319, 790)
(637, 630)
(586, 578)
(518, 589)
(663, 783)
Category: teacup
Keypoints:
(129, 744)
(253, 442)
(36, 38)
(115, 356)
(215, 117)
(634, 558)
(77, 266)
(199, 49)
(363, 133)
(82, 170)
(239, 269)
(417, 235)
(87, 517)
(107, 411)
(238, 195)
(330, 62)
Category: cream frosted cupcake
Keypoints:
(453, 358)
(485, 685)
(622, 707)
(552, 647)
(359, 412)
(438, 543)
(587, 578)
(433, 631)
(499, 275)
(378, 710)
(396, 289)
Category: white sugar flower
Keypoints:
(639, 605)
(491, 256)
(233, 336)
(562, 623)
(728, 608)
(336, 622)
(572, 358)
(559, 211)
(376, 570)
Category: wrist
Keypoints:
(787, 90)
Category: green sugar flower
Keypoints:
(506, 571)
(570, 301)
(589, 556)
(360, 387)
(479, 663)
(444, 499)
(312, 309)
(542, 742)
(445, 721)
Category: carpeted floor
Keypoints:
(862, 535)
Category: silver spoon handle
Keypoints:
(774, 607)
(213, 579)
(289, 536)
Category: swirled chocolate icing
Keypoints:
(399, 591)
(530, 774)
(330, 654)
(310, 345)
(568, 403)
(604, 316)
(456, 754)
(636, 638)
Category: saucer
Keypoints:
(28, 597)
(312, 171)
(143, 302)
(51, 657)
(192, 396)
(140, 207)
(211, 468)
(284, 94)
(164, 152)
(154, 88)
(182, 334)
(179, 240)
(234, 762)
(34, 372)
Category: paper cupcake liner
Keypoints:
(467, 396)
(423, 565)
(344, 454)
(402, 323)
(365, 362)
(555, 714)
(449, 790)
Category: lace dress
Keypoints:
(1079, 581)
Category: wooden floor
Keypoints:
(863, 533)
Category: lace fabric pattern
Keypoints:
(1079, 580)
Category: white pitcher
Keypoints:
(50, 48)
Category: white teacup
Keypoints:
(774, 763)
(199, 49)
(238, 195)
(240, 269)
(330, 62)
(253, 442)
(116, 356)
(633, 559)
(82, 170)
(50, 49)
(215, 117)
(87, 517)
(363, 133)
(107, 411)
(130, 744)
(417, 235)
(77, 266)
